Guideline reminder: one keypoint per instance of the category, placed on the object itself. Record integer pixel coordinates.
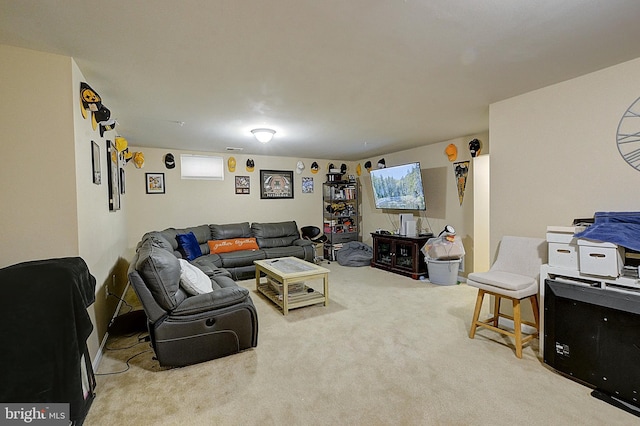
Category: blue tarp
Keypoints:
(622, 228)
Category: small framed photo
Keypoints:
(114, 176)
(95, 161)
(242, 184)
(154, 183)
(307, 185)
(276, 184)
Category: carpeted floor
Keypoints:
(387, 350)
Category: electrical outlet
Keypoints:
(107, 290)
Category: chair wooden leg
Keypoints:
(517, 327)
(536, 312)
(476, 313)
(496, 310)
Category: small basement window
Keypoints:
(201, 167)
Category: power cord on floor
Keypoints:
(127, 362)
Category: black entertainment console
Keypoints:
(400, 254)
(592, 334)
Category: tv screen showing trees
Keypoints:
(398, 187)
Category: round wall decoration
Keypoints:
(628, 135)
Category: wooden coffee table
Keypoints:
(287, 272)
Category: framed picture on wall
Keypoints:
(154, 183)
(95, 163)
(114, 176)
(276, 184)
(242, 184)
(307, 185)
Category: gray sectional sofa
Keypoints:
(277, 239)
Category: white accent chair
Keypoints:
(514, 276)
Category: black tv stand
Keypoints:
(400, 254)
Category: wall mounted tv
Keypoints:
(398, 187)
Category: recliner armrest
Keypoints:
(219, 298)
(302, 242)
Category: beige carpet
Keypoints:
(387, 350)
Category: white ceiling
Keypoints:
(342, 79)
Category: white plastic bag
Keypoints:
(444, 248)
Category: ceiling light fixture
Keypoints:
(263, 135)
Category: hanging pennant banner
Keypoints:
(461, 170)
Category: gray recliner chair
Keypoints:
(186, 329)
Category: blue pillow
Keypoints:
(189, 246)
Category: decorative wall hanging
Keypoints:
(474, 147)
(138, 159)
(314, 167)
(452, 152)
(169, 161)
(242, 184)
(299, 167)
(250, 165)
(231, 164)
(307, 185)
(154, 183)
(121, 180)
(114, 176)
(461, 170)
(100, 117)
(276, 183)
(89, 100)
(95, 163)
(628, 135)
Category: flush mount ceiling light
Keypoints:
(263, 135)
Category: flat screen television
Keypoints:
(398, 187)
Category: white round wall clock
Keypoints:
(628, 135)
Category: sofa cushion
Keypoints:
(241, 258)
(160, 239)
(208, 262)
(160, 271)
(279, 234)
(189, 245)
(193, 280)
(275, 252)
(235, 244)
(230, 230)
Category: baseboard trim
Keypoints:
(103, 344)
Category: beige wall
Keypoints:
(554, 155)
(38, 191)
(102, 234)
(196, 202)
(51, 208)
(441, 193)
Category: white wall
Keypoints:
(441, 193)
(554, 155)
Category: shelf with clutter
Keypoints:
(341, 221)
